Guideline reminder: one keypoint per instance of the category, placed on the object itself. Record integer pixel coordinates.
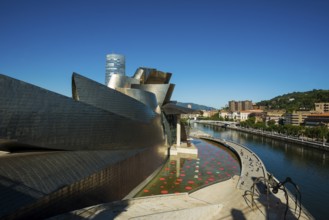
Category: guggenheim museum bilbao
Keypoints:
(59, 154)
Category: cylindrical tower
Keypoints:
(115, 64)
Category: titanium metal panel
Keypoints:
(160, 91)
(151, 76)
(100, 96)
(172, 109)
(34, 116)
(169, 93)
(120, 81)
(44, 184)
(142, 96)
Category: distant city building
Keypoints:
(223, 114)
(261, 107)
(210, 113)
(296, 118)
(317, 119)
(274, 115)
(237, 106)
(243, 115)
(115, 64)
(321, 107)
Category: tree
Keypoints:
(271, 123)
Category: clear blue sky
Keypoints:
(217, 50)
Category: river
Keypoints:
(308, 167)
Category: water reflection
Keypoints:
(308, 167)
(214, 163)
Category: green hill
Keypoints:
(297, 100)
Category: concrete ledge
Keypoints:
(184, 148)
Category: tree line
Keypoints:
(319, 133)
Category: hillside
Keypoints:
(195, 106)
(297, 100)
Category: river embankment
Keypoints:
(298, 140)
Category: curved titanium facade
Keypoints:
(161, 91)
(100, 96)
(152, 76)
(34, 116)
(79, 152)
(41, 185)
(120, 81)
(147, 98)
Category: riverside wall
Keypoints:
(291, 139)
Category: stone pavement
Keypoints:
(218, 201)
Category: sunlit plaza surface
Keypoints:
(214, 163)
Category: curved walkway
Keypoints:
(251, 166)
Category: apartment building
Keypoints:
(296, 118)
(237, 106)
(322, 107)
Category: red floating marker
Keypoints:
(162, 178)
(182, 174)
(188, 188)
(179, 179)
(190, 182)
(211, 179)
(161, 187)
(222, 168)
(146, 190)
(164, 192)
(177, 183)
(199, 178)
(167, 168)
(208, 172)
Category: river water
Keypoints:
(308, 167)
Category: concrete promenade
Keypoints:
(231, 199)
